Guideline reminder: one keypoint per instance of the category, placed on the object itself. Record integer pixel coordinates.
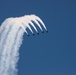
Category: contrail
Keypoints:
(11, 36)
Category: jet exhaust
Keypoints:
(11, 36)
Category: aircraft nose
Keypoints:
(47, 31)
(42, 31)
(28, 35)
(38, 33)
(33, 34)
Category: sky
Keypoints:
(52, 53)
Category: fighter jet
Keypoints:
(28, 20)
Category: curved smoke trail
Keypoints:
(11, 33)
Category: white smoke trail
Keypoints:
(9, 51)
(11, 33)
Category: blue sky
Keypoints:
(52, 53)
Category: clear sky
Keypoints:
(52, 53)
